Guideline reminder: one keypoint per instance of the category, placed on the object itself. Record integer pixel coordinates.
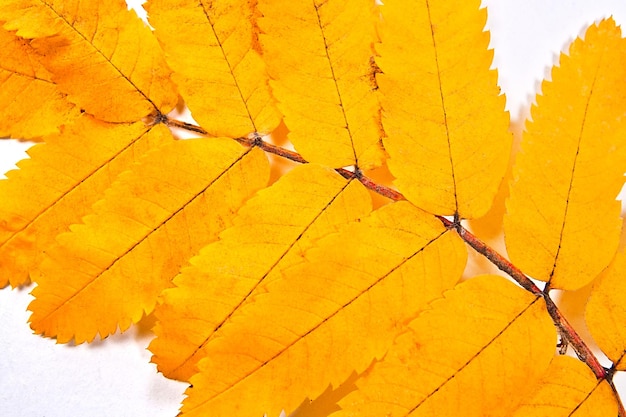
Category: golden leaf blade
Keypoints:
(468, 355)
(109, 271)
(330, 315)
(569, 389)
(563, 223)
(445, 125)
(605, 312)
(31, 105)
(59, 184)
(99, 53)
(269, 234)
(318, 54)
(211, 46)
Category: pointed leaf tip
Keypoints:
(563, 222)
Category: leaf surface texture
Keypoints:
(563, 222)
(213, 49)
(443, 115)
(269, 234)
(58, 185)
(606, 311)
(331, 315)
(32, 105)
(569, 389)
(99, 53)
(473, 353)
(109, 271)
(318, 54)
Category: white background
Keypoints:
(39, 378)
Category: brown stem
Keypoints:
(381, 189)
(495, 258)
(582, 350)
(183, 125)
(273, 149)
(573, 338)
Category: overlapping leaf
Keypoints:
(445, 125)
(330, 315)
(212, 47)
(606, 312)
(109, 271)
(269, 234)
(569, 389)
(563, 223)
(58, 185)
(300, 278)
(32, 105)
(318, 54)
(99, 53)
(474, 353)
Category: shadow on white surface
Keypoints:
(112, 377)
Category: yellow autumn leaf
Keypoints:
(32, 105)
(269, 234)
(446, 129)
(330, 315)
(212, 48)
(569, 389)
(109, 271)
(99, 53)
(605, 312)
(318, 54)
(58, 184)
(468, 355)
(562, 223)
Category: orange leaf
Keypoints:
(468, 355)
(447, 132)
(211, 47)
(32, 105)
(563, 223)
(109, 271)
(58, 185)
(318, 55)
(99, 53)
(269, 234)
(569, 389)
(605, 312)
(330, 315)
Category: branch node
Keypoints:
(257, 139)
